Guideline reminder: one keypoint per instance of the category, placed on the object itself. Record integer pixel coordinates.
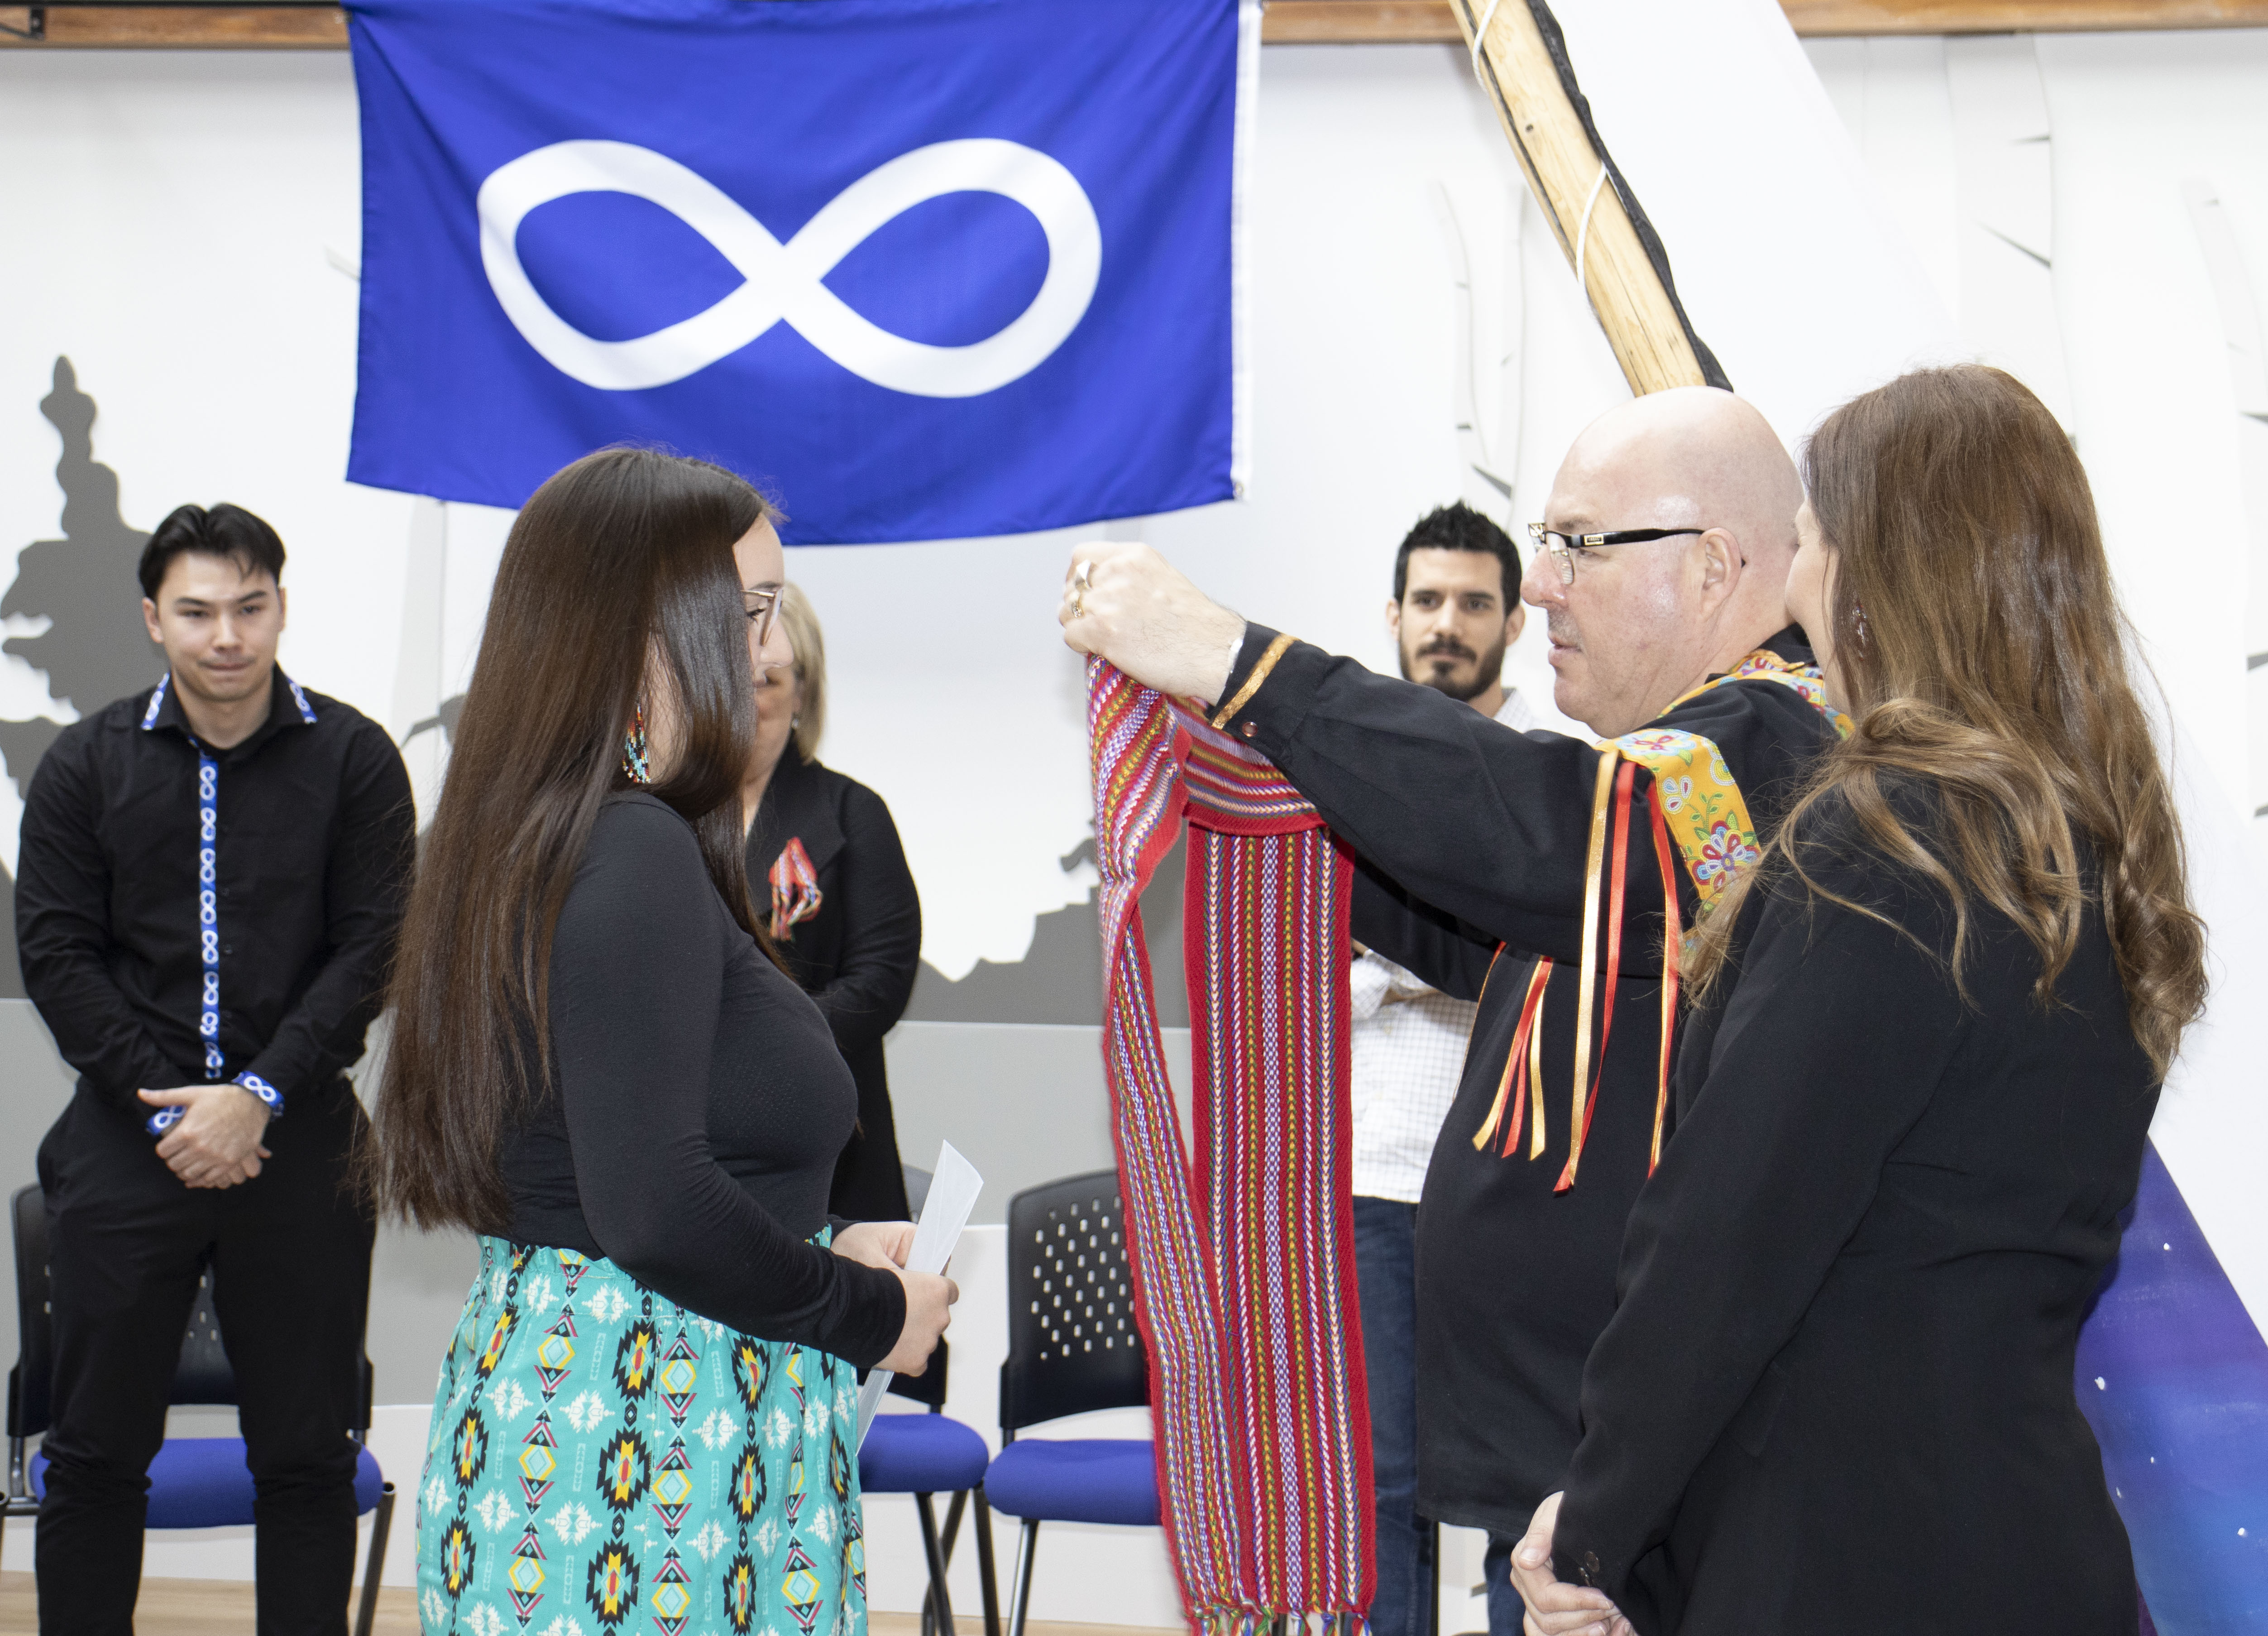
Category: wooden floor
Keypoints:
(192, 1607)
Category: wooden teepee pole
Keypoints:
(1522, 64)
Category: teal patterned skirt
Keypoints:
(602, 1460)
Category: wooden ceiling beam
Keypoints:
(1287, 22)
(156, 26)
(1820, 18)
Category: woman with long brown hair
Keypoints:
(648, 1406)
(1929, 1034)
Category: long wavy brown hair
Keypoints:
(618, 580)
(1982, 651)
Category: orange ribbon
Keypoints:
(1587, 1098)
(1508, 1089)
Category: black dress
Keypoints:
(856, 956)
(1473, 835)
(1836, 1394)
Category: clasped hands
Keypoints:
(1554, 1608)
(217, 1144)
(929, 1296)
(1133, 608)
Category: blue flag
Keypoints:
(926, 269)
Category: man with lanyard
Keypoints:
(211, 876)
(1455, 611)
(1527, 871)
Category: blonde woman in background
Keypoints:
(843, 912)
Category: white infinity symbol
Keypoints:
(783, 280)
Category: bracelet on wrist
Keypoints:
(267, 1093)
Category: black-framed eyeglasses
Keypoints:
(763, 606)
(1563, 547)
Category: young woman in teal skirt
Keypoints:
(646, 1420)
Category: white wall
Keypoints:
(2132, 118)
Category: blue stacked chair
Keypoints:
(924, 1455)
(195, 1482)
(1073, 1348)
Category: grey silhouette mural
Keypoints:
(1060, 977)
(95, 648)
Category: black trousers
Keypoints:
(289, 1252)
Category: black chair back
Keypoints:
(28, 1382)
(1073, 1342)
(203, 1376)
(927, 1389)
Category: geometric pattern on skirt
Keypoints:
(602, 1460)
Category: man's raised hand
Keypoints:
(1135, 609)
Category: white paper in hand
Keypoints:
(952, 1195)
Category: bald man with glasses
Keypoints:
(1526, 871)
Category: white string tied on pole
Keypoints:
(1583, 238)
(1480, 37)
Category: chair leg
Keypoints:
(1024, 1552)
(1433, 1578)
(953, 1514)
(381, 1519)
(938, 1595)
(987, 1584)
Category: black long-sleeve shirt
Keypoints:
(698, 1103)
(313, 854)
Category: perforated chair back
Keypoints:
(29, 1382)
(1073, 1346)
(203, 1376)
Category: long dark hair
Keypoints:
(619, 569)
(1977, 633)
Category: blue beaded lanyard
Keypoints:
(208, 912)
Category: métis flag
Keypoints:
(927, 269)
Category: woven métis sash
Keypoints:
(1244, 1261)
